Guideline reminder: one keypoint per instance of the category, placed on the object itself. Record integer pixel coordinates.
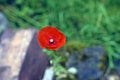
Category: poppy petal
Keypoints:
(50, 38)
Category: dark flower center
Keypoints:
(51, 41)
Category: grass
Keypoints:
(94, 22)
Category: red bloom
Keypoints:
(50, 38)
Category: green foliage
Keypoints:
(75, 46)
(57, 61)
(94, 22)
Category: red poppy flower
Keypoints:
(50, 38)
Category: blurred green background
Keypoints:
(93, 22)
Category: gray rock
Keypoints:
(117, 65)
(94, 51)
(34, 64)
(72, 61)
(4, 72)
(20, 56)
(87, 63)
(113, 77)
(49, 74)
(3, 22)
(89, 70)
(72, 70)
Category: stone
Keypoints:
(49, 74)
(3, 22)
(35, 62)
(93, 51)
(113, 77)
(20, 56)
(72, 60)
(4, 72)
(89, 69)
(72, 70)
(117, 65)
(88, 63)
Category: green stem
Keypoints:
(111, 65)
